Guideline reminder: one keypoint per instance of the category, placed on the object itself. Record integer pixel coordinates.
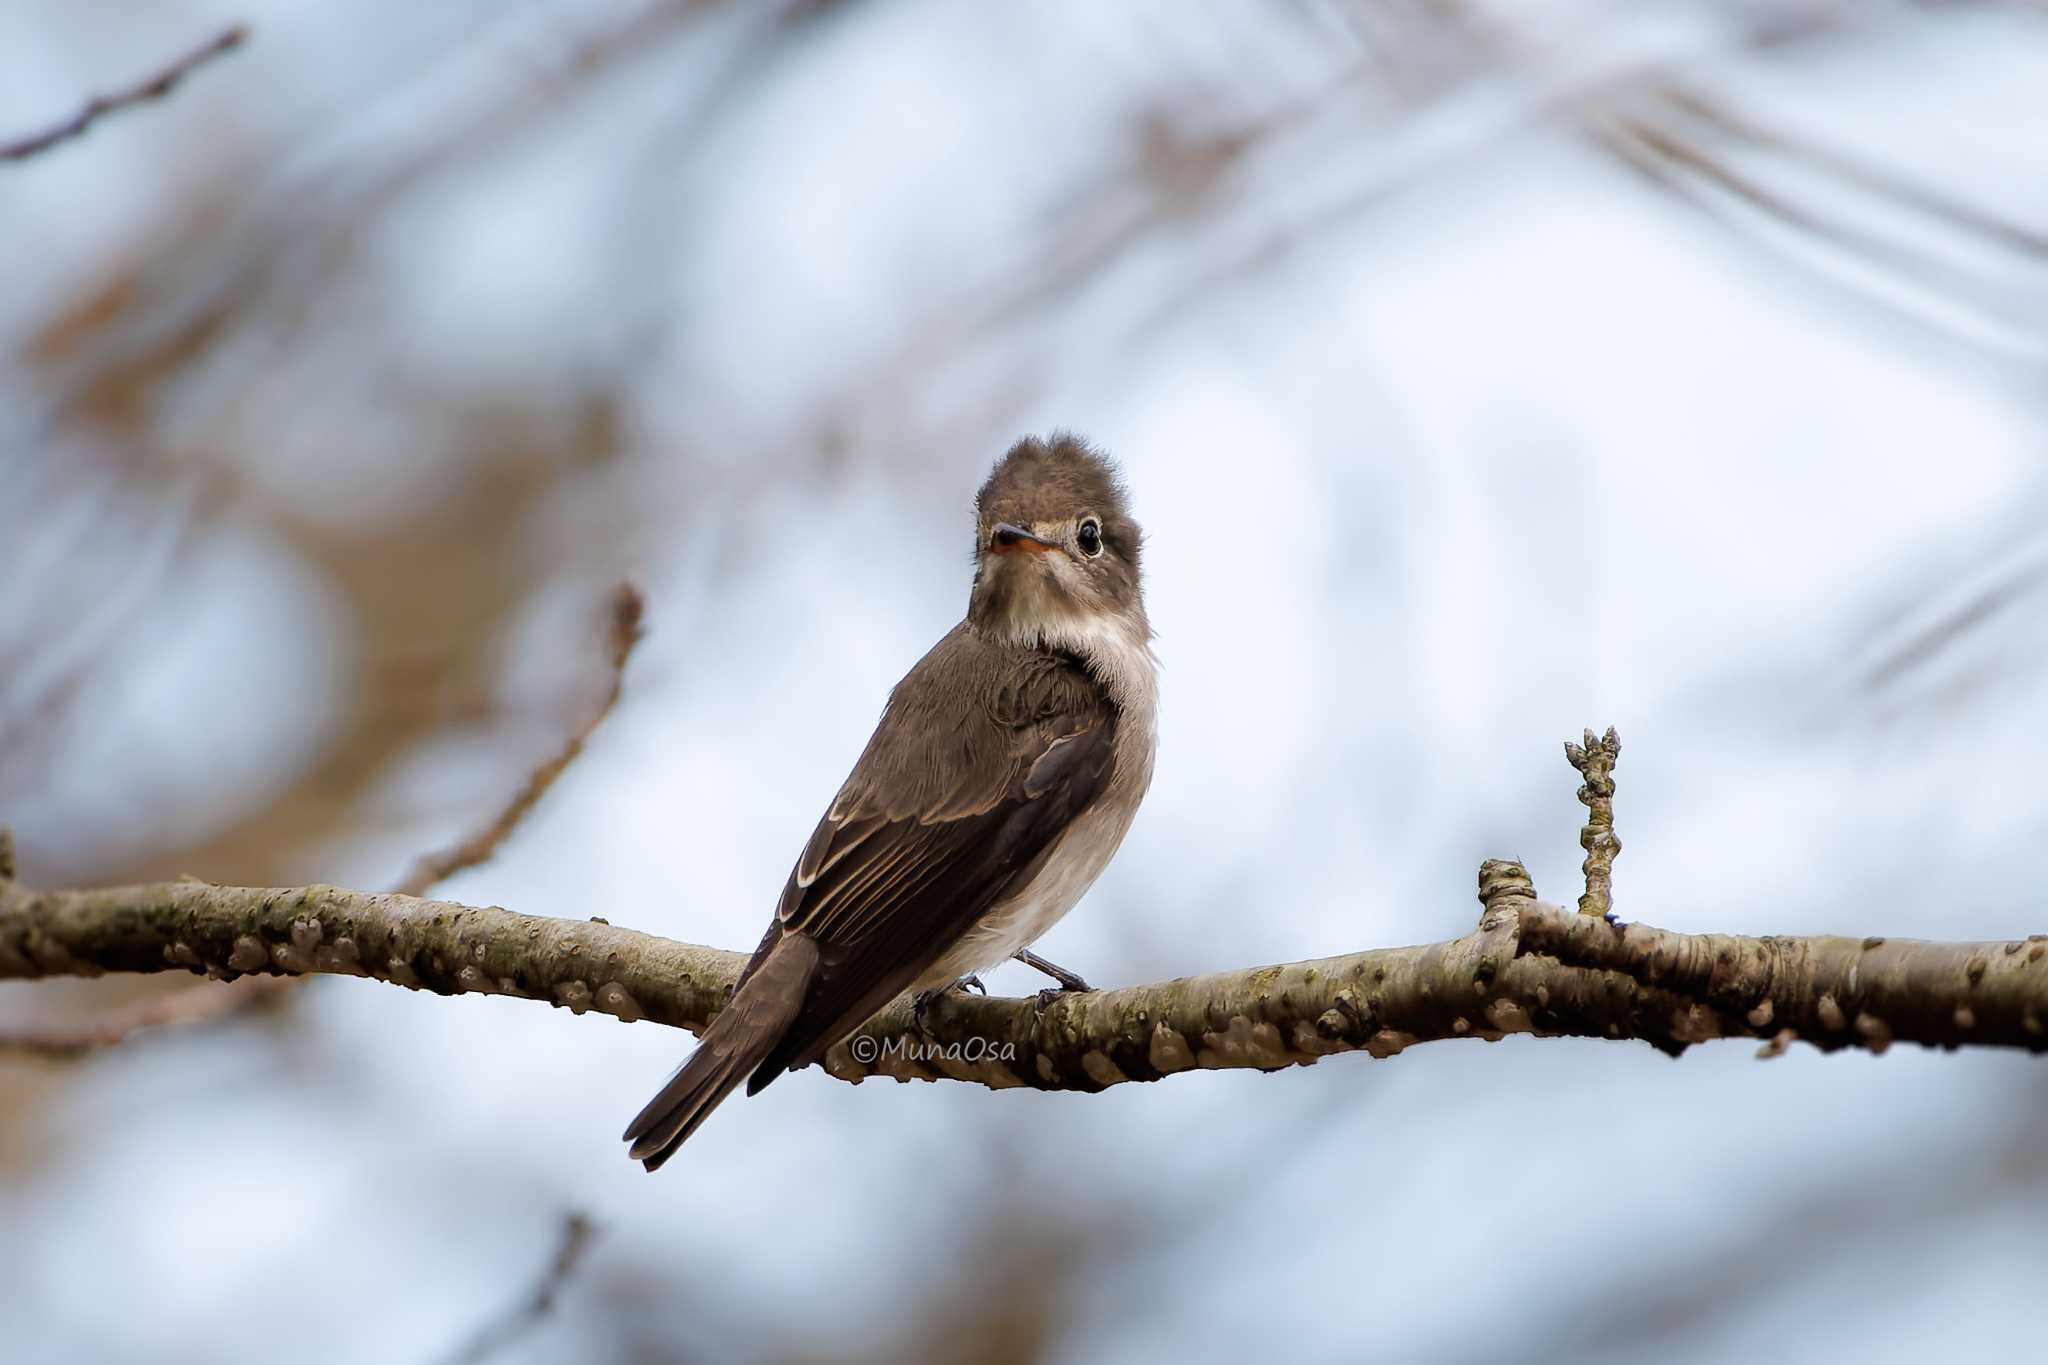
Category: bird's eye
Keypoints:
(1090, 537)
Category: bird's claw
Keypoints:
(921, 1003)
(1043, 1000)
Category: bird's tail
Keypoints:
(743, 1034)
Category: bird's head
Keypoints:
(1056, 551)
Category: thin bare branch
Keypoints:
(627, 610)
(572, 1241)
(1528, 968)
(154, 87)
(1595, 762)
(195, 1003)
(206, 1002)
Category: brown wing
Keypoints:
(984, 755)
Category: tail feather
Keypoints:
(743, 1034)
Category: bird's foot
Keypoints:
(1042, 1001)
(921, 1003)
(920, 1011)
(1069, 981)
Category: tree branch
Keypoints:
(201, 1003)
(1528, 968)
(154, 87)
(1595, 761)
(621, 634)
(539, 1300)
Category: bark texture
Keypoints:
(1529, 967)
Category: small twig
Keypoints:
(1595, 762)
(1502, 880)
(627, 609)
(197, 1003)
(98, 107)
(570, 1245)
(6, 854)
(204, 1002)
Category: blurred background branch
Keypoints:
(207, 1002)
(153, 87)
(570, 1245)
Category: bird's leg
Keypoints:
(1069, 981)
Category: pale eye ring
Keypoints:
(1089, 537)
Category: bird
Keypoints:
(1007, 767)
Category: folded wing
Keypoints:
(983, 758)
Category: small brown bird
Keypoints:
(1005, 772)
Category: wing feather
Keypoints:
(983, 757)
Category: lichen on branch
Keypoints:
(1529, 967)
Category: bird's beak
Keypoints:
(1011, 540)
